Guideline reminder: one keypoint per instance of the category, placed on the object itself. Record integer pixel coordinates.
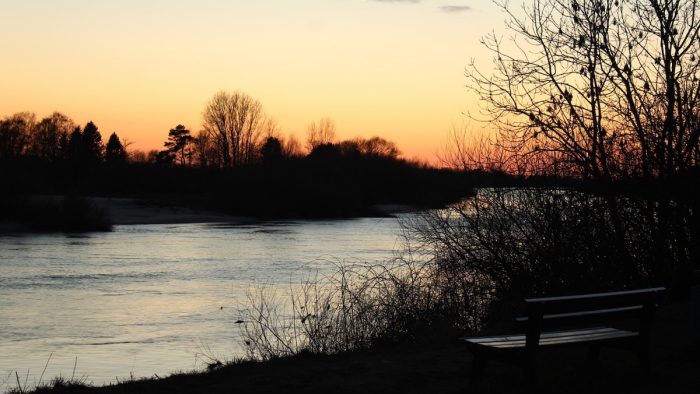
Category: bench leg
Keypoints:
(530, 369)
(644, 354)
(478, 366)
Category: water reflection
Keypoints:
(148, 299)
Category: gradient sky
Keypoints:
(136, 67)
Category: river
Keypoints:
(155, 299)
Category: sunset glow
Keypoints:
(388, 68)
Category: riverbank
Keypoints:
(143, 211)
(442, 368)
(163, 211)
(33, 215)
(54, 213)
(297, 188)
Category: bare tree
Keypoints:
(292, 147)
(605, 89)
(234, 122)
(205, 152)
(600, 90)
(270, 128)
(321, 133)
(137, 156)
(466, 150)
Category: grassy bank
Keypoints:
(440, 367)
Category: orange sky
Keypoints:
(393, 68)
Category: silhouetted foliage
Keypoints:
(50, 214)
(92, 149)
(179, 144)
(164, 157)
(204, 150)
(114, 150)
(601, 98)
(49, 137)
(350, 178)
(15, 133)
(378, 147)
(373, 147)
(271, 150)
(325, 151)
(74, 152)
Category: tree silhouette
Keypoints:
(377, 147)
(15, 133)
(292, 147)
(74, 151)
(320, 134)
(114, 150)
(179, 144)
(271, 150)
(91, 145)
(164, 157)
(49, 137)
(326, 152)
(234, 122)
(204, 151)
(602, 89)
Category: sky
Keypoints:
(393, 68)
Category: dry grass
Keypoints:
(442, 367)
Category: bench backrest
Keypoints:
(587, 310)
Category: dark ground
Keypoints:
(443, 368)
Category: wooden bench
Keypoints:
(578, 320)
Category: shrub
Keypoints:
(468, 267)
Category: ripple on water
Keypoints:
(146, 299)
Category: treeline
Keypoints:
(56, 138)
(262, 174)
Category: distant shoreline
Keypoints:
(131, 211)
(148, 210)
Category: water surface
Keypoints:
(155, 299)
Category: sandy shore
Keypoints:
(133, 211)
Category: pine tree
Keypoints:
(114, 150)
(92, 148)
(178, 143)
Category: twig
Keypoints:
(19, 385)
(74, 366)
(45, 366)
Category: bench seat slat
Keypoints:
(583, 302)
(567, 340)
(550, 338)
(600, 316)
(544, 335)
(598, 295)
